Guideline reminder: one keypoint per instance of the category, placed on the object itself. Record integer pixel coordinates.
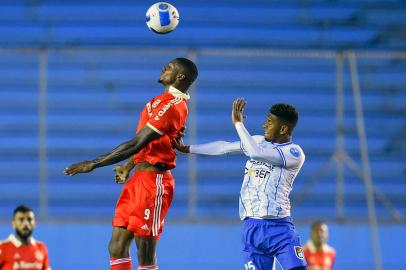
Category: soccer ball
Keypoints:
(162, 18)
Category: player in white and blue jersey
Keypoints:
(274, 161)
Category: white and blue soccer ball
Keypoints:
(162, 18)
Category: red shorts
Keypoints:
(144, 202)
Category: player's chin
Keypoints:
(25, 233)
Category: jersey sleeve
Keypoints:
(292, 156)
(166, 117)
(253, 150)
(216, 148)
(2, 258)
(46, 265)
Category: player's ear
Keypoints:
(13, 224)
(180, 77)
(284, 129)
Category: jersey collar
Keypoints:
(282, 144)
(177, 93)
(17, 243)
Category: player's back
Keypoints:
(166, 114)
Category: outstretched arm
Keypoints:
(251, 147)
(121, 152)
(216, 148)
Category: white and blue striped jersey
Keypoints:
(268, 176)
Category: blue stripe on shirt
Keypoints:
(282, 156)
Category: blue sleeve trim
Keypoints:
(282, 156)
(242, 146)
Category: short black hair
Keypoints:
(22, 208)
(189, 68)
(285, 112)
(317, 223)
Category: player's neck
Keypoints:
(181, 87)
(282, 139)
(318, 246)
(23, 240)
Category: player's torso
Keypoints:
(320, 260)
(266, 188)
(161, 148)
(27, 257)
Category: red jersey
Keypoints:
(15, 256)
(322, 259)
(166, 114)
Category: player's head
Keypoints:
(281, 121)
(319, 233)
(180, 73)
(23, 221)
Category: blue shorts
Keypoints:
(263, 240)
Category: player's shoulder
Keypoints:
(329, 249)
(292, 150)
(5, 241)
(167, 100)
(38, 243)
(309, 247)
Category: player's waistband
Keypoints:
(145, 166)
(287, 219)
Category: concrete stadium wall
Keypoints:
(198, 247)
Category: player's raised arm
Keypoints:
(120, 153)
(251, 147)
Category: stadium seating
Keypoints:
(95, 95)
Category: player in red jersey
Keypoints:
(319, 255)
(147, 194)
(21, 250)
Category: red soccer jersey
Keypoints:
(14, 255)
(322, 259)
(166, 114)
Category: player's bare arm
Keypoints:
(123, 171)
(120, 153)
(180, 146)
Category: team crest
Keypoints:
(299, 252)
(295, 152)
(39, 256)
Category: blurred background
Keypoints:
(74, 76)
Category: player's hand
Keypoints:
(237, 113)
(121, 174)
(81, 167)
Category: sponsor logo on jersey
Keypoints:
(145, 227)
(294, 151)
(26, 265)
(149, 109)
(17, 256)
(174, 101)
(261, 163)
(299, 252)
